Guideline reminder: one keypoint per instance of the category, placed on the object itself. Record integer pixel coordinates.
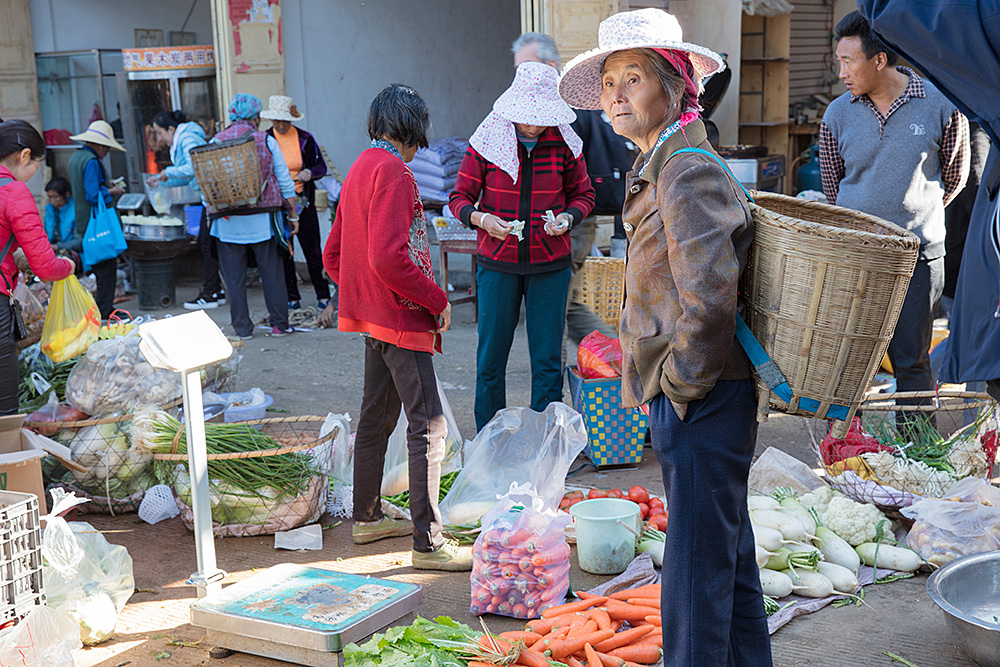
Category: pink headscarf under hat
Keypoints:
(680, 61)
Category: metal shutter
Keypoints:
(811, 56)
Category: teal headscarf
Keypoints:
(244, 107)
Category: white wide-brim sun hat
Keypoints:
(279, 107)
(533, 98)
(101, 133)
(580, 84)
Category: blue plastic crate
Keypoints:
(615, 434)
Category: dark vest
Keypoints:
(77, 162)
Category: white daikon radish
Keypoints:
(809, 584)
(803, 546)
(762, 555)
(802, 515)
(762, 503)
(843, 580)
(775, 584)
(789, 526)
(769, 538)
(835, 549)
(889, 557)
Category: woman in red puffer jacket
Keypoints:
(21, 153)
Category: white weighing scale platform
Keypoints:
(304, 615)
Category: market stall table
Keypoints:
(462, 247)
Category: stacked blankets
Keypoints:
(436, 167)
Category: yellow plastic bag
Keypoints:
(72, 321)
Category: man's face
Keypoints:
(860, 74)
(529, 54)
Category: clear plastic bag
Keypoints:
(520, 561)
(44, 638)
(944, 530)
(72, 321)
(114, 376)
(84, 575)
(518, 446)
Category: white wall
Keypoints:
(340, 53)
(71, 25)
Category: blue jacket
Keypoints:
(60, 226)
(181, 172)
(955, 44)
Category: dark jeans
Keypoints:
(233, 257)
(580, 319)
(908, 349)
(713, 613)
(308, 237)
(396, 378)
(106, 273)
(9, 370)
(209, 257)
(500, 297)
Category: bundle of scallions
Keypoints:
(288, 474)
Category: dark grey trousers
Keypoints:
(396, 378)
(908, 349)
(233, 261)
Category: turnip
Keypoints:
(775, 584)
(769, 538)
(843, 580)
(889, 557)
(762, 503)
(809, 584)
(835, 549)
(789, 526)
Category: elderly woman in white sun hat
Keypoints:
(689, 230)
(523, 160)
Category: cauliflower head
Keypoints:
(855, 522)
(819, 498)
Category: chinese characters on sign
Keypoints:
(168, 57)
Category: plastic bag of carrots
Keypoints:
(520, 561)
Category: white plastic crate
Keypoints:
(20, 556)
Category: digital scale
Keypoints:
(300, 614)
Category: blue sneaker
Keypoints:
(294, 305)
(323, 303)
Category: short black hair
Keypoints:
(399, 113)
(58, 184)
(16, 135)
(169, 119)
(856, 25)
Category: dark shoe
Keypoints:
(220, 297)
(278, 332)
(203, 302)
(322, 304)
(294, 305)
(364, 533)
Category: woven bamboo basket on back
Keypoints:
(602, 287)
(825, 286)
(228, 173)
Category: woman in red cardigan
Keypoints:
(378, 255)
(21, 153)
(524, 161)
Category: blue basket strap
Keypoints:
(772, 376)
(720, 161)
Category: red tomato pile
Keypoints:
(651, 509)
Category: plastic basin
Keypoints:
(242, 413)
(603, 545)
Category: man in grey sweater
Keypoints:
(895, 147)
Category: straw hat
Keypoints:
(533, 98)
(280, 107)
(580, 84)
(101, 133)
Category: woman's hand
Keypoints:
(293, 224)
(325, 318)
(305, 175)
(563, 222)
(445, 319)
(494, 226)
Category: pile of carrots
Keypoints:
(620, 630)
(518, 573)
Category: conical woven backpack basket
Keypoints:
(825, 286)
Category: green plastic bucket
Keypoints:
(603, 545)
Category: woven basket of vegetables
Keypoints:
(893, 464)
(266, 475)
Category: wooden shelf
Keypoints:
(764, 82)
(776, 123)
(755, 61)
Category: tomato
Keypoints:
(654, 501)
(658, 521)
(615, 493)
(643, 510)
(656, 509)
(597, 493)
(574, 501)
(573, 494)
(638, 494)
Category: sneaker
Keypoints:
(220, 297)
(450, 557)
(294, 305)
(203, 302)
(322, 304)
(277, 332)
(236, 337)
(363, 533)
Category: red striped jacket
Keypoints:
(550, 178)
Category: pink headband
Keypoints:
(680, 61)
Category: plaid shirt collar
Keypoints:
(915, 88)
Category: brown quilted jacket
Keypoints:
(689, 231)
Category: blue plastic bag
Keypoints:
(104, 238)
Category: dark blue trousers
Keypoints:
(713, 613)
(500, 297)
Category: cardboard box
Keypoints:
(20, 463)
(615, 434)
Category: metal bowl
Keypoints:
(154, 232)
(968, 591)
